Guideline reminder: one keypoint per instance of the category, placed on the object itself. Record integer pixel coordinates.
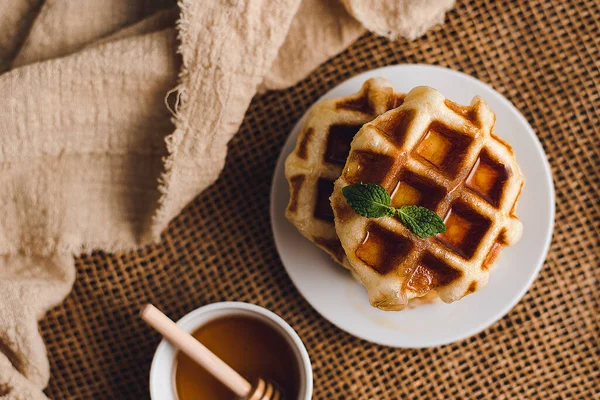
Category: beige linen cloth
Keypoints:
(90, 155)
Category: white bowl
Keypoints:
(161, 372)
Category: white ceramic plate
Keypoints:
(337, 297)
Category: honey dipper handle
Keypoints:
(195, 350)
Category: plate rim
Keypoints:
(478, 328)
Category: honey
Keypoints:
(430, 274)
(415, 190)
(368, 167)
(248, 345)
(381, 249)
(488, 178)
(443, 148)
(465, 229)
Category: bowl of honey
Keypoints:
(254, 341)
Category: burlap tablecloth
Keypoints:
(544, 57)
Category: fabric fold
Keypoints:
(218, 79)
(320, 30)
(29, 286)
(398, 18)
(64, 26)
(16, 18)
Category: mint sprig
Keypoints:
(373, 201)
(421, 220)
(369, 200)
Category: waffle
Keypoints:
(437, 154)
(320, 154)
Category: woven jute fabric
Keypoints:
(543, 56)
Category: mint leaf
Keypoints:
(421, 221)
(369, 200)
(373, 201)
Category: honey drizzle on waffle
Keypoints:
(474, 174)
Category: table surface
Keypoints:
(544, 57)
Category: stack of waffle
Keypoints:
(424, 150)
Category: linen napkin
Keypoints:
(90, 155)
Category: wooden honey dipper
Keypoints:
(264, 390)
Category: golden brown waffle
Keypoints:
(320, 154)
(433, 153)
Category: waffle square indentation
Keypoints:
(443, 148)
(488, 178)
(368, 167)
(382, 249)
(395, 126)
(431, 273)
(416, 190)
(323, 210)
(465, 229)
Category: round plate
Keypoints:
(336, 296)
